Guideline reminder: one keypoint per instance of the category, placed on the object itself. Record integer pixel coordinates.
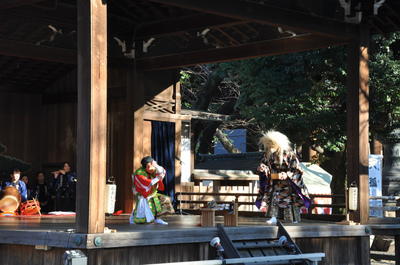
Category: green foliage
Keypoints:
(385, 85)
(301, 94)
(304, 94)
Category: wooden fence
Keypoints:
(193, 201)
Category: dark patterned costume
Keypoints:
(286, 192)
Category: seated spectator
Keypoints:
(64, 184)
(42, 192)
(17, 183)
(25, 179)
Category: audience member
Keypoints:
(42, 192)
(25, 179)
(64, 185)
(17, 183)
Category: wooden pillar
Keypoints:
(92, 116)
(357, 122)
(126, 190)
(134, 133)
(138, 106)
(178, 137)
(135, 102)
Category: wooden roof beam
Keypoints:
(377, 28)
(37, 52)
(51, 54)
(128, 12)
(396, 14)
(64, 16)
(233, 41)
(271, 15)
(4, 4)
(394, 24)
(180, 25)
(245, 51)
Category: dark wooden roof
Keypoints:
(38, 38)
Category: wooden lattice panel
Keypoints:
(160, 106)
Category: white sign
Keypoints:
(375, 183)
(186, 160)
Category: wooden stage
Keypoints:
(44, 239)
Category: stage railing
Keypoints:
(198, 200)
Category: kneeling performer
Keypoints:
(150, 205)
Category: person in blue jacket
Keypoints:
(64, 185)
(17, 183)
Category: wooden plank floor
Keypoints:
(58, 231)
(121, 223)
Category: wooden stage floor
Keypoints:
(58, 231)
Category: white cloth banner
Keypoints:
(375, 183)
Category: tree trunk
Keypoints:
(209, 131)
(225, 142)
(209, 89)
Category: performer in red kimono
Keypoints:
(150, 205)
(281, 179)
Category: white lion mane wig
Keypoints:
(278, 140)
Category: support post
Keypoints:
(357, 122)
(92, 116)
(127, 189)
(134, 132)
(178, 139)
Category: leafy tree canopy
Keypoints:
(304, 94)
(385, 85)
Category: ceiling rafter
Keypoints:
(55, 71)
(131, 14)
(181, 25)
(252, 28)
(394, 24)
(245, 51)
(21, 70)
(64, 16)
(172, 38)
(137, 7)
(5, 4)
(16, 31)
(394, 13)
(269, 14)
(249, 28)
(34, 33)
(11, 63)
(37, 52)
(157, 10)
(232, 40)
(245, 38)
(219, 42)
(376, 28)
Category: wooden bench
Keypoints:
(230, 218)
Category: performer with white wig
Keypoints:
(281, 179)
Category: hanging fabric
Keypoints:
(163, 151)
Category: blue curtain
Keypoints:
(163, 151)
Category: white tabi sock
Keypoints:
(159, 221)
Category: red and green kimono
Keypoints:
(150, 204)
